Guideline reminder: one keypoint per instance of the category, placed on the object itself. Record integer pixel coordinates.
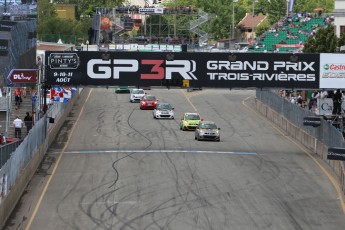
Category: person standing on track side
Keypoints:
(337, 103)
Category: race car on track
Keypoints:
(136, 95)
(207, 130)
(190, 121)
(148, 102)
(163, 110)
(122, 90)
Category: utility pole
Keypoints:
(175, 20)
(253, 21)
(233, 19)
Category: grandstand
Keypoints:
(289, 34)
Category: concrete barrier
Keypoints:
(305, 139)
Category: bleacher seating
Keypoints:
(292, 31)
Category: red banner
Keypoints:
(23, 76)
(289, 46)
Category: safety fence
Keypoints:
(289, 117)
(15, 157)
(328, 134)
(21, 156)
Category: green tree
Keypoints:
(276, 10)
(324, 41)
(262, 28)
(341, 40)
(46, 14)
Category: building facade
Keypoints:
(339, 16)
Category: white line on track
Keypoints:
(159, 151)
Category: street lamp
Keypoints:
(253, 22)
(233, 19)
(87, 45)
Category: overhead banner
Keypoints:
(219, 70)
(332, 71)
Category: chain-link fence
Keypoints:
(326, 133)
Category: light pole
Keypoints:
(233, 19)
(253, 22)
(175, 34)
(87, 45)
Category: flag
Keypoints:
(60, 94)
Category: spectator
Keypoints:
(33, 99)
(18, 125)
(28, 122)
(313, 100)
(337, 103)
(18, 96)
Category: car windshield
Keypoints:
(164, 107)
(192, 117)
(136, 91)
(150, 98)
(208, 126)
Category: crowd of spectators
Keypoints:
(302, 99)
(298, 20)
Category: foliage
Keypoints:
(262, 28)
(276, 10)
(310, 5)
(45, 14)
(324, 41)
(341, 40)
(220, 13)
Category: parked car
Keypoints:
(163, 110)
(136, 95)
(122, 90)
(207, 130)
(190, 121)
(148, 102)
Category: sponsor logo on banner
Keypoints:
(332, 71)
(22, 76)
(63, 61)
(106, 69)
(64, 65)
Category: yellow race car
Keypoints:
(190, 121)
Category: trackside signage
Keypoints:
(256, 70)
(332, 71)
(312, 121)
(336, 154)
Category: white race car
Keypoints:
(136, 95)
(163, 110)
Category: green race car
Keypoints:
(122, 90)
(190, 121)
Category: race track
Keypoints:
(115, 167)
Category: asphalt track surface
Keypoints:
(115, 167)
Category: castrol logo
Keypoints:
(334, 67)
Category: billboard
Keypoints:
(219, 70)
(332, 71)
